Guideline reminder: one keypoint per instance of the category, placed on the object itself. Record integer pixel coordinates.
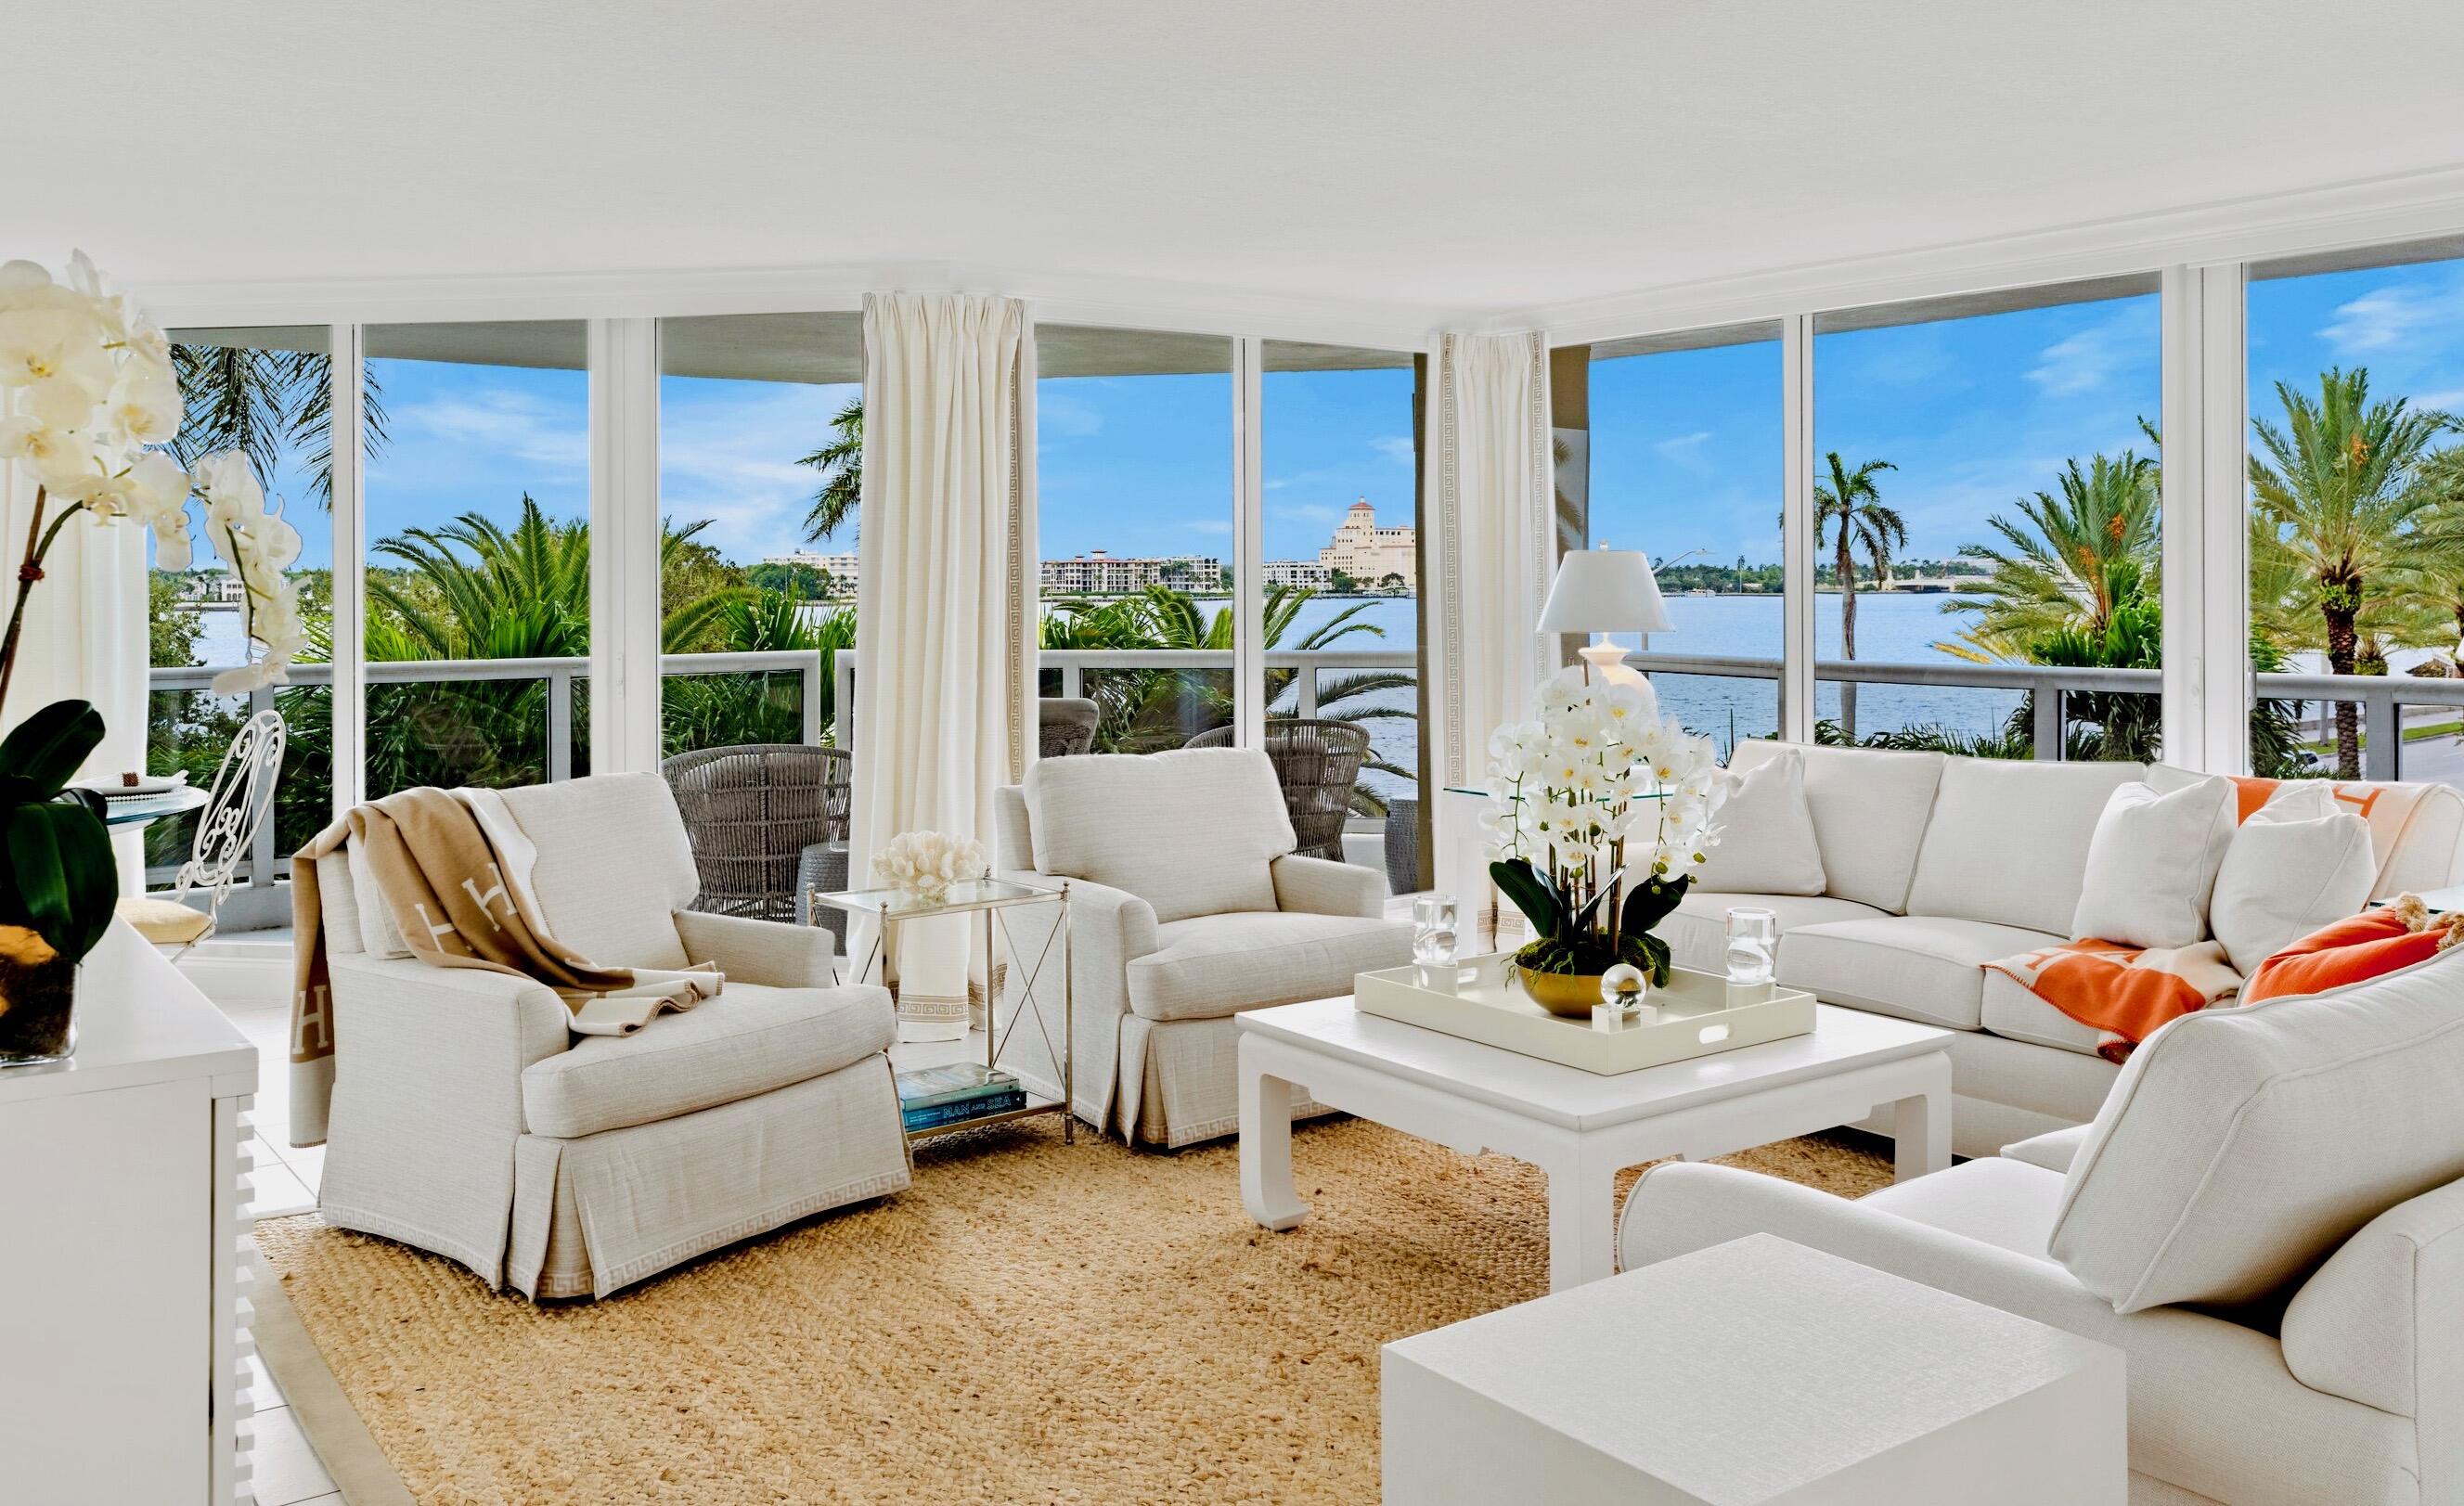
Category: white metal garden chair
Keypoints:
(226, 827)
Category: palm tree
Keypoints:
(841, 462)
(2067, 563)
(257, 401)
(1850, 505)
(2339, 484)
(1145, 710)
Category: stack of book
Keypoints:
(932, 1097)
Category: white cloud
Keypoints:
(512, 425)
(1684, 444)
(730, 456)
(1065, 417)
(1307, 512)
(2441, 402)
(2411, 314)
(1210, 525)
(1397, 448)
(2087, 360)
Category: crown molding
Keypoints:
(2368, 211)
(1057, 298)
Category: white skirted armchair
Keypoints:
(467, 1121)
(1187, 907)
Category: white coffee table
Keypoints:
(1750, 1372)
(1579, 1127)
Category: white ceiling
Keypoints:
(1406, 156)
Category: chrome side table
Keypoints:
(989, 897)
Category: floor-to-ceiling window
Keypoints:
(263, 393)
(1987, 534)
(1134, 513)
(761, 459)
(1340, 603)
(2356, 366)
(1685, 463)
(479, 555)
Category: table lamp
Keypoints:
(1603, 591)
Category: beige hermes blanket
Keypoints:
(453, 869)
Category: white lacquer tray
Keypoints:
(1698, 1013)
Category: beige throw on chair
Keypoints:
(453, 871)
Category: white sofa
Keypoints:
(2265, 1217)
(468, 1121)
(1935, 866)
(1188, 906)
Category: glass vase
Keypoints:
(37, 1012)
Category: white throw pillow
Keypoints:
(1767, 844)
(2286, 877)
(2152, 865)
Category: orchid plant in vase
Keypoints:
(88, 396)
(1599, 818)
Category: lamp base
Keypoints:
(1604, 664)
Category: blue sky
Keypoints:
(1685, 446)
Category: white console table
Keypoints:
(123, 1327)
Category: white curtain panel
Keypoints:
(1492, 501)
(945, 603)
(84, 637)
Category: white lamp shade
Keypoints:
(1605, 591)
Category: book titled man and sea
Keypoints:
(930, 1098)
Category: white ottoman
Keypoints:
(1754, 1371)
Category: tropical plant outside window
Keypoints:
(1986, 493)
(265, 393)
(1134, 508)
(1341, 540)
(761, 461)
(1685, 463)
(479, 553)
(2357, 510)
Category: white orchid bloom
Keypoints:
(158, 492)
(257, 676)
(171, 550)
(142, 408)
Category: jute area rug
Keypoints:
(1031, 1323)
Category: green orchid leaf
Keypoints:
(1652, 901)
(42, 898)
(43, 753)
(1531, 893)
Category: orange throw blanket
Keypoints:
(2123, 994)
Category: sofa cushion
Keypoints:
(2285, 879)
(2004, 1202)
(747, 1041)
(2055, 1151)
(2008, 840)
(1869, 814)
(2010, 1010)
(1926, 968)
(1696, 930)
(2151, 864)
(614, 866)
(2240, 1146)
(1191, 832)
(1210, 966)
(1765, 842)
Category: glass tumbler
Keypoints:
(1433, 931)
(1753, 937)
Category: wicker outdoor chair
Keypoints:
(1317, 763)
(751, 812)
(1065, 725)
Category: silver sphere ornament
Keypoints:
(1622, 985)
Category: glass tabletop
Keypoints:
(970, 894)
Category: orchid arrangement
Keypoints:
(1599, 818)
(87, 398)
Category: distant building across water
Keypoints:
(1369, 553)
(1099, 574)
